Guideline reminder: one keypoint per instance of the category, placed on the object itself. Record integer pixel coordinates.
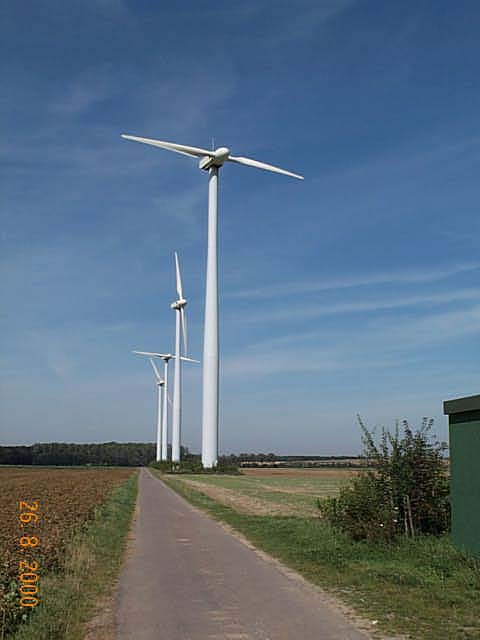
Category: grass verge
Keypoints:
(423, 588)
(70, 599)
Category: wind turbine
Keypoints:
(211, 161)
(161, 393)
(162, 399)
(166, 357)
(180, 328)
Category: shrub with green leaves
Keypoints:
(404, 490)
(194, 466)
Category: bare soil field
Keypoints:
(60, 501)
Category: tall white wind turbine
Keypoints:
(211, 161)
(180, 328)
(166, 357)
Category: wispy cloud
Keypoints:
(436, 328)
(379, 344)
(288, 23)
(83, 92)
(184, 208)
(304, 24)
(290, 312)
(288, 361)
(417, 276)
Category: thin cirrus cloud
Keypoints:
(83, 93)
(380, 344)
(305, 24)
(414, 277)
(327, 308)
(314, 360)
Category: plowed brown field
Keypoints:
(66, 499)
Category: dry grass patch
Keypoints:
(238, 501)
(341, 474)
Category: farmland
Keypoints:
(272, 491)
(66, 500)
(421, 588)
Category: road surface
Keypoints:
(186, 578)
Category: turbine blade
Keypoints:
(183, 319)
(169, 400)
(262, 165)
(153, 354)
(155, 370)
(193, 152)
(179, 279)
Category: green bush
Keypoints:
(194, 466)
(404, 490)
(185, 466)
(361, 510)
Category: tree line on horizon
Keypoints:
(131, 454)
(118, 454)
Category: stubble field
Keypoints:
(263, 491)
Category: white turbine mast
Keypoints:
(211, 161)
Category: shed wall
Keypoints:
(465, 483)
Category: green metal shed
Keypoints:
(464, 426)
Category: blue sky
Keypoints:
(354, 291)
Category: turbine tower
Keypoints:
(166, 357)
(180, 328)
(211, 161)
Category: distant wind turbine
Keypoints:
(211, 161)
(180, 328)
(161, 394)
(163, 427)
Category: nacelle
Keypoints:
(178, 304)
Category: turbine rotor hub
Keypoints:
(219, 156)
(178, 304)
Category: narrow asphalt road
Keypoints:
(186, 578)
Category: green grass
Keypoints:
(69, 600)
(423, 587)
